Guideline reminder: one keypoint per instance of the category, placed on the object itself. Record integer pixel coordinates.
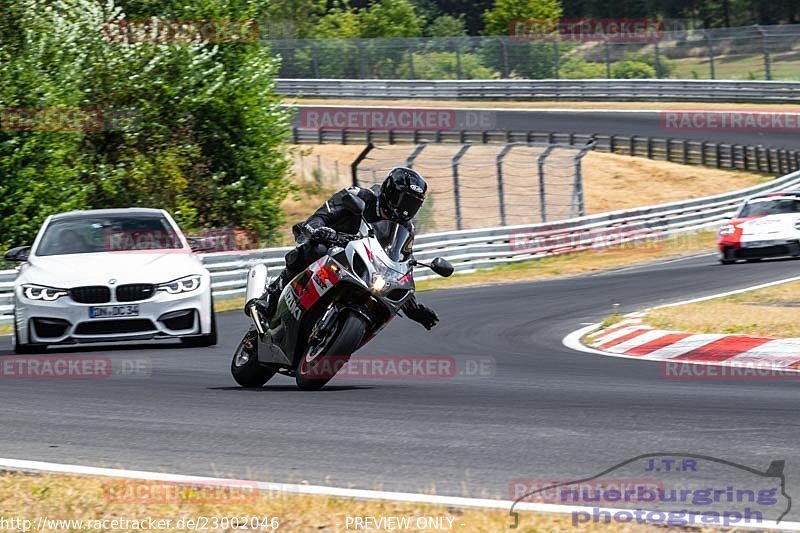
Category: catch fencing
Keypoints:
(718, 155)
(475, 186)
(469, 250)
(741, 53)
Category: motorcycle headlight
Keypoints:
(727, 229)
(378, 283)
(187, 284)
(40, 292)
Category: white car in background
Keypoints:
(767, 225)
(110, 275)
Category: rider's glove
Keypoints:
(324, 234)
(424, 315)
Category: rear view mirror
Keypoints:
(354, 204)
(18, 254)
(442, 266)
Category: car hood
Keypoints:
(66, 271)
(765, 225)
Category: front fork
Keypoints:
(256, 318)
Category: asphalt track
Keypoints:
(631, 122)
(542, 411)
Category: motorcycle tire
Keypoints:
(245, 369)
(313, 373)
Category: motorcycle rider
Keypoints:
(398, 199)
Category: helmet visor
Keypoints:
(407, 206)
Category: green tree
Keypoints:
(391, 18)
(203, 130)
(498, 19)
(447, 26)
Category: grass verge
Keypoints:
(63, 497)
(770, 312)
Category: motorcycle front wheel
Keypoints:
(245, 368)
(324, 358)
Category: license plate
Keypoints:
(113, 311)
(758, 244)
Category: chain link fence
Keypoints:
(743, 53)
(478, 186)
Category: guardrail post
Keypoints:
(757, 150)
(649, 148)
(500, 194)
(745, 157)
(354, 166)
(632, 145)
(710, 43)
(456, 189)
(295, 138)
(703, 160)
(718, 154)
(668, 151)
(685, 152)
(414, 154)
(611, 142)
(779, 153)
(768, 152)
(542, 196)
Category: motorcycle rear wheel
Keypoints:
(245, 369)
(322, 361)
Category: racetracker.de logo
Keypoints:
(644, 30)
(72, 366)
(162, 493)
(740, 371)
(397, 367)
(363, 119)
(729, 121)
(181, 31)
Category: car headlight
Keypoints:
(40, 292)
(187, 284)
(727, 229)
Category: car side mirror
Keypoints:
(442, 266)
(354, 204)
(18, 254)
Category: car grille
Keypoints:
(91, 295)
(135, 292)
(111, 327)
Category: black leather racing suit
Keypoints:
(333, 214)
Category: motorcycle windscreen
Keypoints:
(395, 239)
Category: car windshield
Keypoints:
(776, 205)
(114, 233)
(395, 239)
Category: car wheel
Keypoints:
(25, 348)
(204, 341)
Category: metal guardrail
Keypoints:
(588, 89)
(473, 249)
(719, 155)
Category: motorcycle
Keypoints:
(332, 308)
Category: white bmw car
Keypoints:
(110, 275)
(767, 225)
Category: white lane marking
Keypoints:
(360, 494)
(654, 263)
(728, 293)
(638, 340)
(683, 346)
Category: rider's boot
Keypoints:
(268, 303)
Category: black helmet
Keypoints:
(402, 194)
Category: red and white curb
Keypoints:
(633, 339)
